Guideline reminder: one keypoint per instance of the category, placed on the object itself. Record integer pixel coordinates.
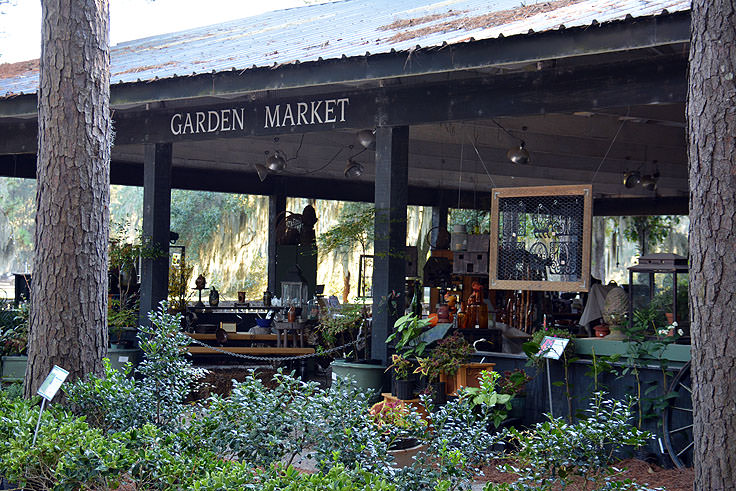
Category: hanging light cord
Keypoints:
(493, 183)
(505, 130)
(628, 111)
(607, 151)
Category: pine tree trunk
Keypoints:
(711, 111)
(69, 298)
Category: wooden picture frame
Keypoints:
(554, 235)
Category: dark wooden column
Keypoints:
(156, 224)
(276, 206)
(389, 264)
(439, 217)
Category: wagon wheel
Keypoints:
(677, 420)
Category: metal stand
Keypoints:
(38, 423)
(549, 389)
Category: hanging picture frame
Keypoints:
(541, 238)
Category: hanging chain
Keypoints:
(355, 343)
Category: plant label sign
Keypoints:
(552, 347)
(53, 382)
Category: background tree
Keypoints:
(69, 297)
(711, 111)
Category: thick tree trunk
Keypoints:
(69, 298)
(711, 111)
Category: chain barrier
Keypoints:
(355, 343)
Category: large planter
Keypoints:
(404, 389)
(367, 375)
(13, 368)
(404, 454)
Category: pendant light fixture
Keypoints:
(518, 154)
(367, 138)
(353, 169)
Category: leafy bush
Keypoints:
(553, 453)
(116, 402)
(68, 454)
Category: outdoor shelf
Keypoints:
(234, 337)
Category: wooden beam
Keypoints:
(389, 262)
(529, 93)
(156, 225)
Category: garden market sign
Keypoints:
(285, 116)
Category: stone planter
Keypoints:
(13, 368)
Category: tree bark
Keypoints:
(69, 297)
(711, 109)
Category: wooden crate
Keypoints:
(468, 375)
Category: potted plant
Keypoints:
(406, 340)
(431, 368)
(404, 385)
(345, 327)
(400, 427)
(486, 398)
(119, 320)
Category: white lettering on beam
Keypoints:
(208, 122)
(306, 113)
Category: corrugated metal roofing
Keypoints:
(345, 28)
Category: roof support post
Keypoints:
(439, 218)
(276, 208)
(156, 225)
(389, 263)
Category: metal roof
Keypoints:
(347, 28)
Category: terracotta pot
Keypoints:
(601, 331)
(670, 317)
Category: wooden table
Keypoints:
(286, 327)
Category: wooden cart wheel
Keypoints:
(677, 420)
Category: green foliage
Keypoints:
(642, 350)
(476, 221)
(355, 226)
(17, 222)
(342, 326)
(553, 453)
(513, 382)
(68, 454)
(401, 366)
(197, 215)
(649, 231)
(14, 328)
(116, 402)
(407, 330)
(486, 398)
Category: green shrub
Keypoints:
(68, 453)
(554, 453)
(117, 402)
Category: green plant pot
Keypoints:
(14, 368)
(368, 376)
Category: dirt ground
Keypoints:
(637, 470)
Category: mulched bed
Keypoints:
(637, 470)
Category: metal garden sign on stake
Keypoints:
(551, 348)
(48, 390)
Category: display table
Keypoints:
(295, 328)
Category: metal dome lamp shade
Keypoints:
(631, 179)
(649, 182)
(262, 171)
(519, 155)
(276, 161)
(367, 138)
(353, 169)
